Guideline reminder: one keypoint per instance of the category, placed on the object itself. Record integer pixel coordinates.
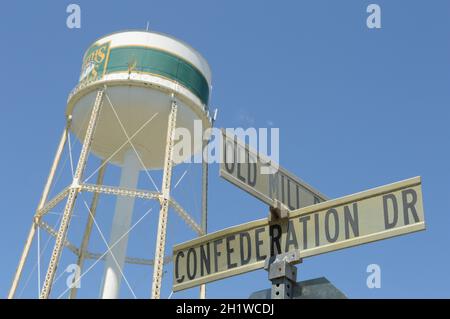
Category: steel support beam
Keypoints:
(164, 203)
(112, 190)
(36, 219)
(52, 232)
(204, 220)
(71, 198)
(52, 203)
(186, 217)
(130, 260)
(88, 229)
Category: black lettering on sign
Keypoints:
(217, 254)
(387, 223)
(275, 239)
(259, 242)
(238, 173)
(297, 189)
(409, 205)
(245, 259)
(351, 221)
(316, 230)
(177, 265)
(332, 212)
(239, 176)
(230, 251)
(290, 205)
(205, 259)
(251, 170)
(289, 194)
(191, 252)
(291, 237)
(240, 159)
(274, 186)
(229, 156)
(304, 221)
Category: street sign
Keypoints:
(317, 288)
(379, 213)
(263, 178)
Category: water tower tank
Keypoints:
(141, 71)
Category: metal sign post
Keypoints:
(281, 267)
(205, 164)
(283, 274)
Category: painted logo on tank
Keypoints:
(94, 63)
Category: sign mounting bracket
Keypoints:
(278, 212)
(283, 274)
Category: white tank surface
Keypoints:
(141, 71)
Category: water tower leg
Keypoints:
(204, 199)
(164, 203)
(42, 201)
(71, 198)
(88, 228)
(115, 259)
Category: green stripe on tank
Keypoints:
(154, 61)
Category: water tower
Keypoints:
(135, 89)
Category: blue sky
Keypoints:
(356, 108)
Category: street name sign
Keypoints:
(262, 178)
(364, 217)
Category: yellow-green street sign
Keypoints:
(379, 213)
(260, 177)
